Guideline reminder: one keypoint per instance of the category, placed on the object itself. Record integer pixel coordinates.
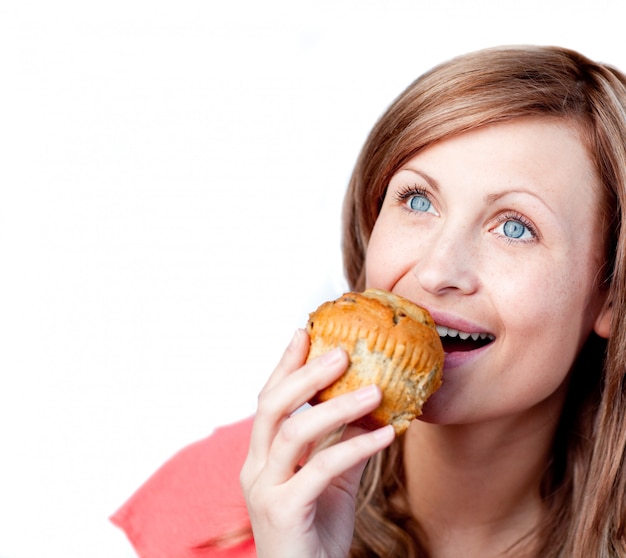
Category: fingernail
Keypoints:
(295, 339)
(332, 357)
(366, 393)
(384, 432)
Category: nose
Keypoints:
(449, 263)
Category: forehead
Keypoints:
(547, 153)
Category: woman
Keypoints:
(491, 193)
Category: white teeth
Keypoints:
(444, 331)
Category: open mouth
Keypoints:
(454, 340)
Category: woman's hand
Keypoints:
(301, 504)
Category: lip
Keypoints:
(462, 358)
(459, 358)
(456, 322)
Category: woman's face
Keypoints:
(497, 233)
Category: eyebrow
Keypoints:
(492, 198)
(432, 182)
(489, 199)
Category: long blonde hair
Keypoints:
(584, 487)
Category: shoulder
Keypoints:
(193, 498)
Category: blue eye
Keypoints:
(415, 200)
(513, 229)
(420, 203)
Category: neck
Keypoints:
(477, 487)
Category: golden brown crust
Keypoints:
(391, 342)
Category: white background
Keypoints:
(171, 176)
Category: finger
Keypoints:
(329, 464)
(301, 432)
(277, 403)
(293, 357)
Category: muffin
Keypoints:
(391, 342)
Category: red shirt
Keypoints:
(192, 499)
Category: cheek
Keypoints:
(385, 259)
(546, 305)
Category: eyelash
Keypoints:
(515, 216)
(407, 192)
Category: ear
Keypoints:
(602, 325)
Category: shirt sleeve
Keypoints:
(192, 499)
